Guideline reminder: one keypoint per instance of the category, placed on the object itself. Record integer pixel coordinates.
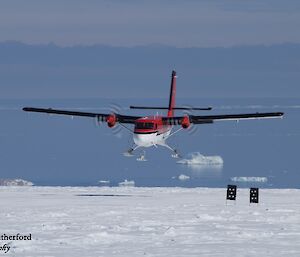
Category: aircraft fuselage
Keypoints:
(150, 131)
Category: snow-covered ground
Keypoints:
(94, 221)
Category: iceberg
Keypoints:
(198, 159)
(127, 183)
(183, 177)
(15, 182)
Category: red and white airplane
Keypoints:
(155, 130)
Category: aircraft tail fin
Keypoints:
(172, 95)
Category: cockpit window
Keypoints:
(144, 125)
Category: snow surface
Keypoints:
(131, 221)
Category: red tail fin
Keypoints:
(172, 95)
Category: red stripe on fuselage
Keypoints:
(149, 125)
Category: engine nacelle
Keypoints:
(111, 120)
(185, 122)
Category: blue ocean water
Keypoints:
(59, 150)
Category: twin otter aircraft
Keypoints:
(155, 130)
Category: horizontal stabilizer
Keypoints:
(175, 108)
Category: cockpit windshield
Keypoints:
(144, 125)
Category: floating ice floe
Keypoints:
(183, 177)
(250, 179)
(104, 182)
(199, 159)
(127, 183)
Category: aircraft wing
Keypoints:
(212, 118)
(99, 116)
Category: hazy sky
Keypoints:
(59, 150)
(129, 23)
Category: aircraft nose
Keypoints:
(144, 140)
(137, 139)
